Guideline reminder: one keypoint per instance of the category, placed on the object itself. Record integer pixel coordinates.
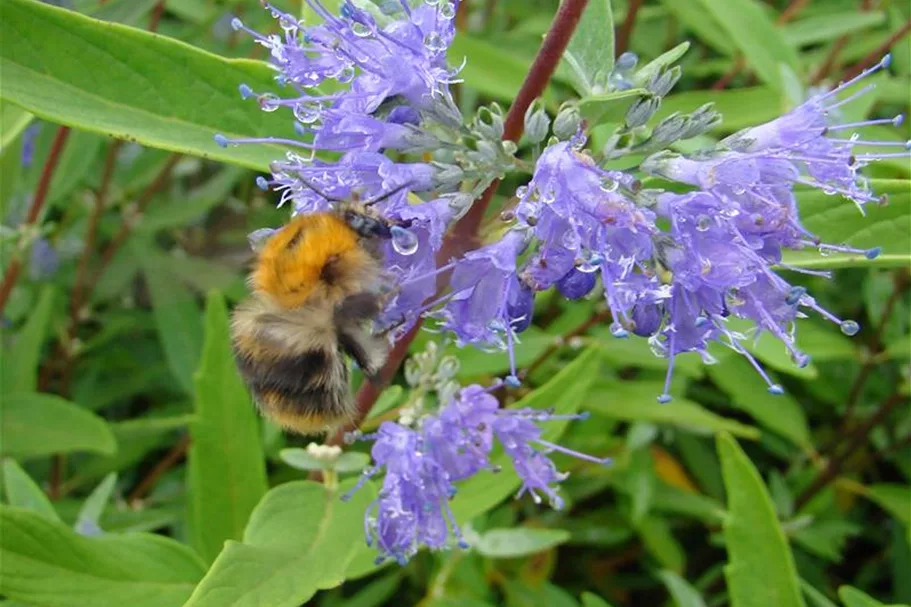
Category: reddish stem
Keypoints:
(877, 53)
(625, 32)
(44, 184)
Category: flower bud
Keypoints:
(576, 284)
(662, 85)
(567, 122)
(537, 122)
(489, 122)
(641, 111)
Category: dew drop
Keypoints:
(447, 10)
(849, 327)
(571, 239)
(617, 331)
(431, 2)
(776, 389)
(269, 102)
(703, 223)
(403, 241)
(346, 74)
(521, 191)
(609, 185)
(665, 398)
(360, 30)
(434, 42)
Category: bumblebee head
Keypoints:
(365, 224)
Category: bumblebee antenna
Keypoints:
(388, 194)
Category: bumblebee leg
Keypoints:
(358, 307)
(367, 350)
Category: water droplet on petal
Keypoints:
(360, 30)
(776, 389)
(703, 223)
(665, 398)
(447, 10)
(403, 241)
(269, 102)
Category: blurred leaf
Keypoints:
(93, 508)
(769, 350)
(300, 539)
(701, 22)
(226, 474)
(128, 12)
(155, 91)
(489, 68)
(826, 538)
(780, 413)
(760, 570)
(681, 591)
(756, 36)
(72, 170)
(19, 371)
(517, 542)
(640, 482)
(13, 121)
(741, 108)
(677, 501)
(181, 212)
(829, 26)
(593, 600)
(852, 597)
(34, 425)
(388, 400)
(377, 593)
(632, 353)
(178, 321)
(350, 461)
(46, 563)
(836, 220)
(814, 596)
(590, 53)
(893, 498)
(661, 543)
(636, 401)
(22, 492)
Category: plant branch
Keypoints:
(625, 32)
(463, 236)
(877, 53)
(582, 329)
(857, 438)
(177, 453)
(34, 211)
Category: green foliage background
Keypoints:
(136, 472)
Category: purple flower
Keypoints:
(423, 465)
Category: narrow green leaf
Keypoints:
(590, 53)
(156, 91)
(681, 591)
(34, 425)
(829, 26)
(814, 596)
(87, 522)
(780, 413)
(128, 12)
(694, 17)
(893, 498)
(177, 319)
(72, 170)
(837, 220)
(489, 68)
(662, 62)
(636, 401)
(300, 539)
(660, 542)
(760, 570)
(13, 120)
(22, 492)
(852, 597)
(226, 470)
(593, 600)
(519, 541)
(757, 37)
(46, 563)
(740, 108)
(19, 371)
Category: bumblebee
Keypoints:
(316, 287)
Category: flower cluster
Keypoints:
(422, 466)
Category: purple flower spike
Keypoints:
(423, 466)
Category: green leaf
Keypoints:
(660, 542)
(636, 401)
(72, 170)
(608, 107)
(760, 570)
(770, 351)
(590, 53)
(300, 539)
(22, 492)
(520, 541)
(13, 120)
(226, 469)
(780, 413)
(829, 26)
(46, 563)
(893, 498)
(593, 600)
(681, 591)
(489, 68)
(350, 461)
(178, 321)
(740, 108)
(641, 482)
(156, 91)
(815, 597)
(694, 17)
(756, 36)
(836, 220)
(95, 504)
(566, 392)
(35, 425)
(19, 371)
(660, 63)
(128, 12)
(852, 597)
(388, 400)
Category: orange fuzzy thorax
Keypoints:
(290, 265)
